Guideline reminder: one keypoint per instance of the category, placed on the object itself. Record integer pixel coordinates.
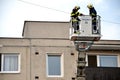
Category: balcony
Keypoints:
(102, 73)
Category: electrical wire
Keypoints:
(110, 22)
(59, 10)
(42, 6)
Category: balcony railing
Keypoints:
(102, 73)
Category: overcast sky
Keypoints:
(13, 13)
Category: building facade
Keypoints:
(46, 53)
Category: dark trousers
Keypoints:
(94, 23)
(75, 25)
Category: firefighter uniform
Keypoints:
(93, 14)
(75, 19)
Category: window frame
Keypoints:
(2, 63)
(107, 56)
(61, 66)
(98, 58)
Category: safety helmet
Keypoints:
(89, 5)
(77, 7)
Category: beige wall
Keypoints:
(37, 29)
(16, 46)
(48, 37)
(32, 65)
(44, 47)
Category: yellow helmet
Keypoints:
(89, 5)
(77, 7)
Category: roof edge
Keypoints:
(42, 22)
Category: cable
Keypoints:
(60, 10)
(42, 6)
(110, 22)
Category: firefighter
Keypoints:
(75, 19)
(93, 14)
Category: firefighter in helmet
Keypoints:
(75, 19)
(93, 14)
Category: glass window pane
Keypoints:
(10, 62)
(0, 61)
(108, 61)
(54, 65)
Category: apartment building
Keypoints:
(46, 53)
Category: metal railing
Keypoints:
(102, 73)
(98, 25)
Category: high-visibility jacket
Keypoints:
(74, 15)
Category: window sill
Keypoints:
(54, 76)
(11, 72)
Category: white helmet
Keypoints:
(89, 5)
(77, 7)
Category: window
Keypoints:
(9, 62)
(108, 61)
(54, 66)
(102, 61)
(0, 62)
(92, 60)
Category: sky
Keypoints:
(13, 13)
